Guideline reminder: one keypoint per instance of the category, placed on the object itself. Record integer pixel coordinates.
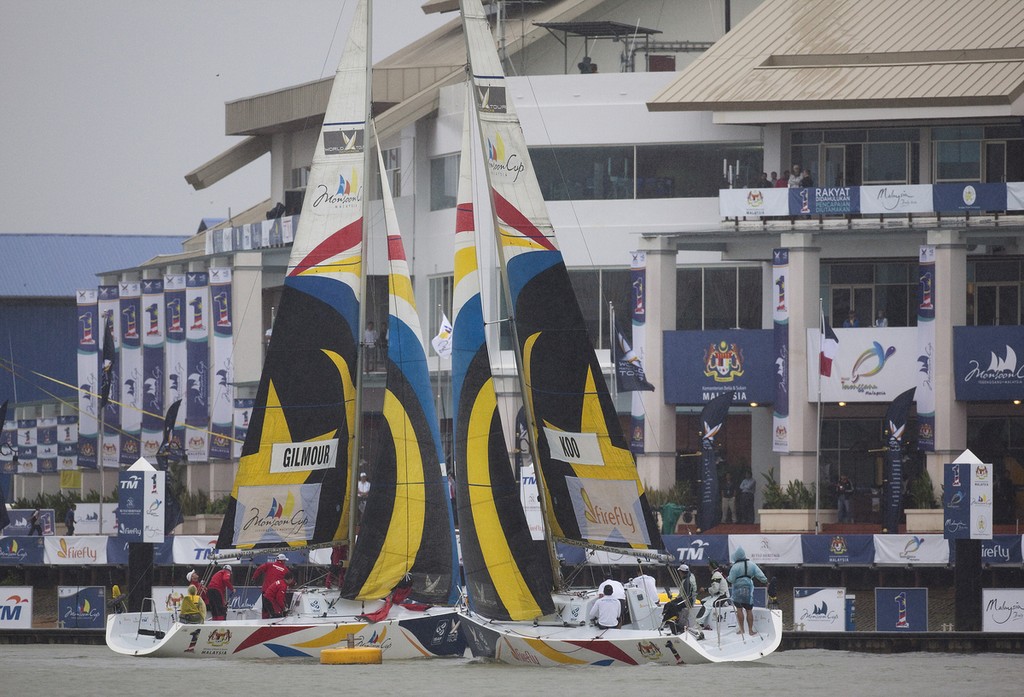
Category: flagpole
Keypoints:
(817, 448)
(99, 462)
(611, 350)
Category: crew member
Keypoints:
(271, 571)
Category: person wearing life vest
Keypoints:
(741, 576)
(718, 593)
(193, 609)
(271, 571)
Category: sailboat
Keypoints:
(518, 611)
(293, 490)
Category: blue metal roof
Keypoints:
(47, 266)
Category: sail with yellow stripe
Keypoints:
(507, 574)
(407, 527)
(588, 478)
(292, 482)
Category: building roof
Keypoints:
(52, 266)
(843, 54)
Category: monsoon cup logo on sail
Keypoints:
(276, 513)
(346, 192)
(510, 165)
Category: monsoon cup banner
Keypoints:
(819, 609)
(891, 199)
(988, 363)
(81, 607)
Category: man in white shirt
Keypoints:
(606, 609)
(649, 586)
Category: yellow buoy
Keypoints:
(359, 655)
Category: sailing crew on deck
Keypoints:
(271, 571)
(606, 610)
(718, 593)
(218, 589)
(277, 594)
(193, 609)
(741, 576)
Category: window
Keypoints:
(695, 170)
(393, 169)
(444, 182)
(584, 174)
(440, 303)
(885, 163)
(718, 297)
(958, 161)
(868, 288)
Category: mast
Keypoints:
(353, 469)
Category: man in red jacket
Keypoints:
(217, 590)
(277, 594)
(271, 571)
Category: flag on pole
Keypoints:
(442, 343)
(629, 372)
(829, 347)
(108, 364)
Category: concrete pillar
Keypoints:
(803, 290)
(950, 311)
(657, 465)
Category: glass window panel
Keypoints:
(444, 182)
(1005, 131)
(587, 287)
(1008, 305)
(750, 292)
(616, 288)
(584, 174)
(885, 162)
(957, 133)
(440, 301)
(893, 135)
(689, 294)
(892, 273)
(996, 271)
(829, 433)
(852, 273)
(894, 303)
(852, 135)
(986, 309)
(719, 298)
(807, 157)
(958, 161)
(805, 137)
(693, 170)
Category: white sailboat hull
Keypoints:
(555, 642)
(320, 619)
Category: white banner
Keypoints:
(1002, 610)
(87, 519)
(16, 607)
(575, 448)
(75, 551)
(874, 364)
(896, 198)
(1014, 196)
(981, 501)
(529, 497)
(608, 510)
(769, 549)
(754, 203)
(193, 549)
(911, 549)
(819, 609)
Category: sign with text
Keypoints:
(706, 364)
(911, 549)
(1002, 610)
(81, 607)
(768, 549)
(874, 364)
(986, 366)
(819, 609)
(967, 498)
(15, 607)
(75, 551)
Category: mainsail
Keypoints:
(591, 491)
(291, 486)
(507, 575)
(407, 526)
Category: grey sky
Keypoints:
(107, 104)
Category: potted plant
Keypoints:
(923, 511)
(790, 509)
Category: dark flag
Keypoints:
(629, 373)
(895, 425)
(167, 454)
(108, 364)
(711, 419)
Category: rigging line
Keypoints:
(7, 366)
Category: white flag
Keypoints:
(442, 343)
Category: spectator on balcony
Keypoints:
(851, 320)
(796, 174)
(764, 182)
(806, 180)
(781, 182)
(880, 320)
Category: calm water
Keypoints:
(94, 670)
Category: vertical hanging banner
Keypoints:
(967, 498)
(131, 372)
(67, 442)
(27, 446)
(222, 408)
(81, 607)
(175, 351)
(895, 425)
(197, 366)
(46, 445)
(8, 439)
(926, 350)
(712, 418)
(243, 412)
(89, 336)
(638, 316)
(780, 324)
(109, 308)
(152, 387)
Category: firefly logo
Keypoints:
(616, 517)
